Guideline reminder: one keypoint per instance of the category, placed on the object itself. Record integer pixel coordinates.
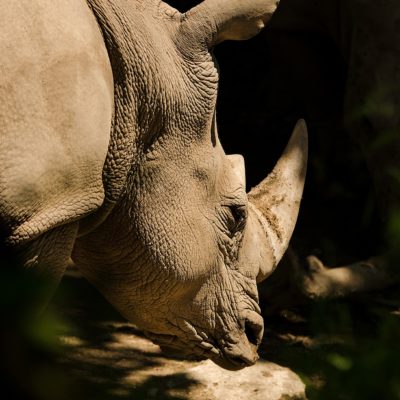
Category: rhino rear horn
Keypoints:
(213, 21)
(276, 200)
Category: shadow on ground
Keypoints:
(108, 358)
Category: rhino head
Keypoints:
(184, 246)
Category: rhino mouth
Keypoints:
(223, 356)
(174, 345)
(233, 352)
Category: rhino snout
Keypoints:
(240, 350)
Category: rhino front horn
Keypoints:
(276, 200)
(213, 21)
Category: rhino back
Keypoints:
(56, 92)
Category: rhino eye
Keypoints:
(238, 215)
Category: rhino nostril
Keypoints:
(241, 361)
(253, 331)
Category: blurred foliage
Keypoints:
(342, 350)
(364, 363)
(29, 339)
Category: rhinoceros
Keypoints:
(110, 156)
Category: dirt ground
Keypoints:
(108, 358)
(336, 350)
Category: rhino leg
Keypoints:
(40, 262)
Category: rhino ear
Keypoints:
(213, 21)
(237, 162)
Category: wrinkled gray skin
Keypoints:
(155, 215)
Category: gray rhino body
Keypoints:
(110, 155)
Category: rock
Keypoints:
(263, 381)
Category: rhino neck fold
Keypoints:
(118, 32)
